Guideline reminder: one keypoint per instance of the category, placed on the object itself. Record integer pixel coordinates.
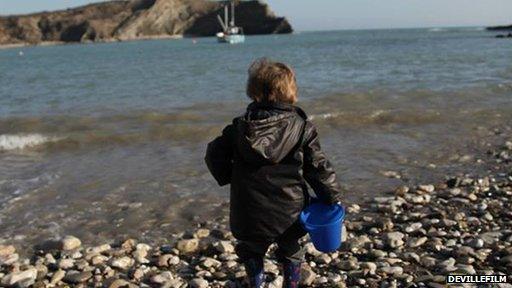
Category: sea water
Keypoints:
(104, 140)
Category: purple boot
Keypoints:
(254, 270)
(291, 273)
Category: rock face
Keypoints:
(500, 28)
(136, 19)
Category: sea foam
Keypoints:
(21, 141)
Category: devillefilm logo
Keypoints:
(475, 279)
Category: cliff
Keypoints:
(136, 19)
(500, 28)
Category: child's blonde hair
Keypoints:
(271, 82)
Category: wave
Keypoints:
(437, 29)
(22, 141)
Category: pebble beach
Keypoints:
(413, 237)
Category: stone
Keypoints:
(75, 277)
(98, 249)
(347, 265)
(311, 250)
(140, 256)
(401, 190)
(477, 243)
(369, 267)
(224, 247)
(357, 242)
(42, 271)
(129, 244)
(22, 278)
(465, 269)
(198, 283)
(323, 259)
(121, 283)
(122, 263)
(6, 250)
(307, 276)
(392, 270)
(427, 262)
(57, 277)
(276, 283)
(167, 260)
(187, 245)
(70, 243)
(66, 264)
(416, 242)
(394, 239)
(427, 188)
(353, 209)
(507, 260)
(391, 174)
(138, 274)
(162, 277)
(202, 233)
(10, 259)
(210, 262)
(99, 259)
(413, 227)
(376, 253)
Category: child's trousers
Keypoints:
(288, 247)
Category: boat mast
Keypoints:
(226, 16)
(221, 21)
(232, 13)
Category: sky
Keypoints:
(306, 15)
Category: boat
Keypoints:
(230, 33)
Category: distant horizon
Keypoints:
(324, 20)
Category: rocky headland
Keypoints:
(413, 237)
(135, 19)
(500, 28)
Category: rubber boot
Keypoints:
(291, 273)
(254, 270)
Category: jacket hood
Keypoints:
(268, 132)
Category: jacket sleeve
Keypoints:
(318, 171)
(219, 157)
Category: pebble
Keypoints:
(122, 263)
(427, 188)
(477, 243)
(369, 267)
(394, 239)
(57, 277)
(6, 250)
(413, 227)
(66, 264)
(410, 239)
(210, 262)
(167, 260)
(198, 283)
(75, 277)
(70, 243)
(188, 245)
(224, 247)
(202, 233)
(22, 279)
(162, 277)
(307, 276)
(416, 242)
(392, 270)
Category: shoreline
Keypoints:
(419, 234)
(62, 43)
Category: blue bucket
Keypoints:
(323, 223)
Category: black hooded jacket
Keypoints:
(268, 155)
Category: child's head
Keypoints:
(271, 82)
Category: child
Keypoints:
(268, 155)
